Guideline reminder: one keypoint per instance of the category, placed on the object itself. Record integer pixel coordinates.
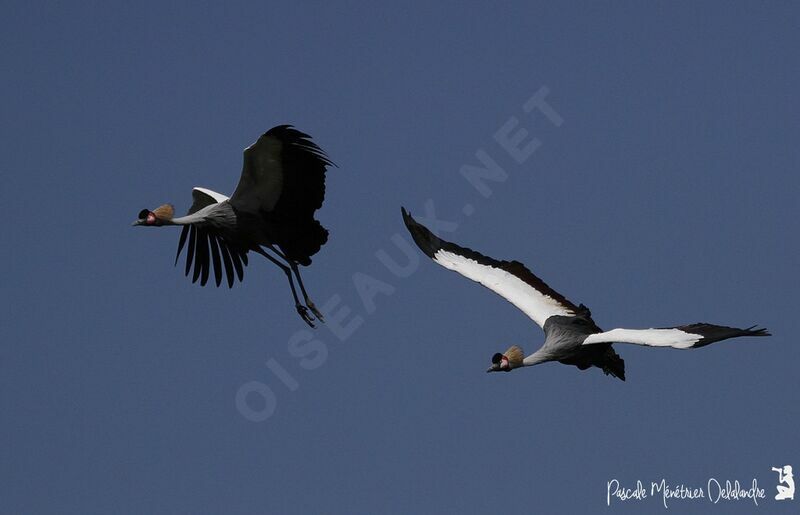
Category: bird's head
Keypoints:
(508, 361)
(158, 216)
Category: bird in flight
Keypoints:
(571, 336)
(272, 209)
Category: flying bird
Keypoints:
(571, 336)
(272, 209)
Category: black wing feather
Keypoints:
(190, 249)
(215, 255)
(305, 164)
(181, 242)
(713, 333)
(226, 258)
(205, 249)
(201, 257)
(206, 260)
(237, 263)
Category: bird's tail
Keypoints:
(301, 248)
(612, 364)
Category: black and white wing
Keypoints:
(206, 248)
(681, 337)
(509, 279)
(284, 173)
(204, 197)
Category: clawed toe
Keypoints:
(316, 312)
(304, 314)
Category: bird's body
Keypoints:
(564, 337)
(571, 335)
(281, 186)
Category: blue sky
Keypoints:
(667, 195)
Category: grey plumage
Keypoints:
(571, 336)
(271, 212)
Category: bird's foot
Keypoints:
(304, 314)
(314, 310)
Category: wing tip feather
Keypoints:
(428, 242)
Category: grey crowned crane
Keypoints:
(272, 208)
(571, 336)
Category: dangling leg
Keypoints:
(310, 304)
(296, 271)
(301, 310)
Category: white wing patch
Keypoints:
(673, 337)
(218, 197)
(538, 306)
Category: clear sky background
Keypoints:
(667, 195)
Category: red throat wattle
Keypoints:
(151, 218)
